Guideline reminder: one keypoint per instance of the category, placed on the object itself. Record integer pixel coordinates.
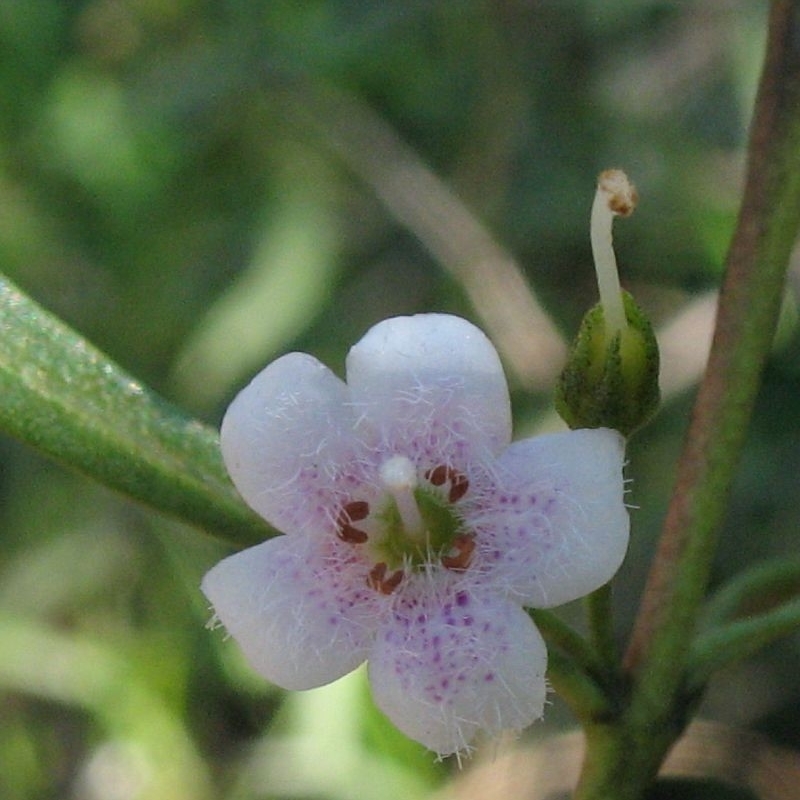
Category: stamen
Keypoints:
(399, 476)
(351, 535)
(357, 510)
(378, 581)
(459, 484)
(461, 550)
(615, 196)
(352, 512)
(438, 475)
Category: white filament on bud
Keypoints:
(615, 196)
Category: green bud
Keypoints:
(611, 381)
(611, 377)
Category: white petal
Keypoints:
(442, 672)
(300, 609)
(555, 526)
(434, 387)
(286, 438)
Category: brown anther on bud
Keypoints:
(622, 196)
(460, 553)
(378, 581)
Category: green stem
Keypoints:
(558, 634)
(66, 398)
(601, 624)
(613, 768)
(748, 309)
(587, 699)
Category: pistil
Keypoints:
(616, 196)
(399, 478)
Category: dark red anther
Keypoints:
(351, 535)
(352, 512)
(356, 510)
(462, 549)
(458, 486)
(440, 475)
(378, 581)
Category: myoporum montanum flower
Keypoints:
(415, 532)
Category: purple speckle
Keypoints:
(462, 599)
(488, 677)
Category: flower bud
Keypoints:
(611, 376)
(610, 381)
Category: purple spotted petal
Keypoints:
(444, 669)
(299, 608)
(555, 527)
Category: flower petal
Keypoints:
(555, 527)
(442, 671)
(434, 387)
(285, 439)
(299, 608)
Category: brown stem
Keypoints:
(747, 312)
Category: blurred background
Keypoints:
(198, 187)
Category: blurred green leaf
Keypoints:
(144, 743)
(66, 398)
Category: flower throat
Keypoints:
(416, 526)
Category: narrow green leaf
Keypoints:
(61, 395)
(738, 640)
(756, 590)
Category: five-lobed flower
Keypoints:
(415, 532)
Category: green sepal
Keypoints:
(611, 382)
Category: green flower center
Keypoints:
(397, 546)
(417, 525)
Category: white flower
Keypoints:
(415, 533)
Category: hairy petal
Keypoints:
(299, 609)
(287, 443)
(443, 671)
(554, 527)
(432, 386)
